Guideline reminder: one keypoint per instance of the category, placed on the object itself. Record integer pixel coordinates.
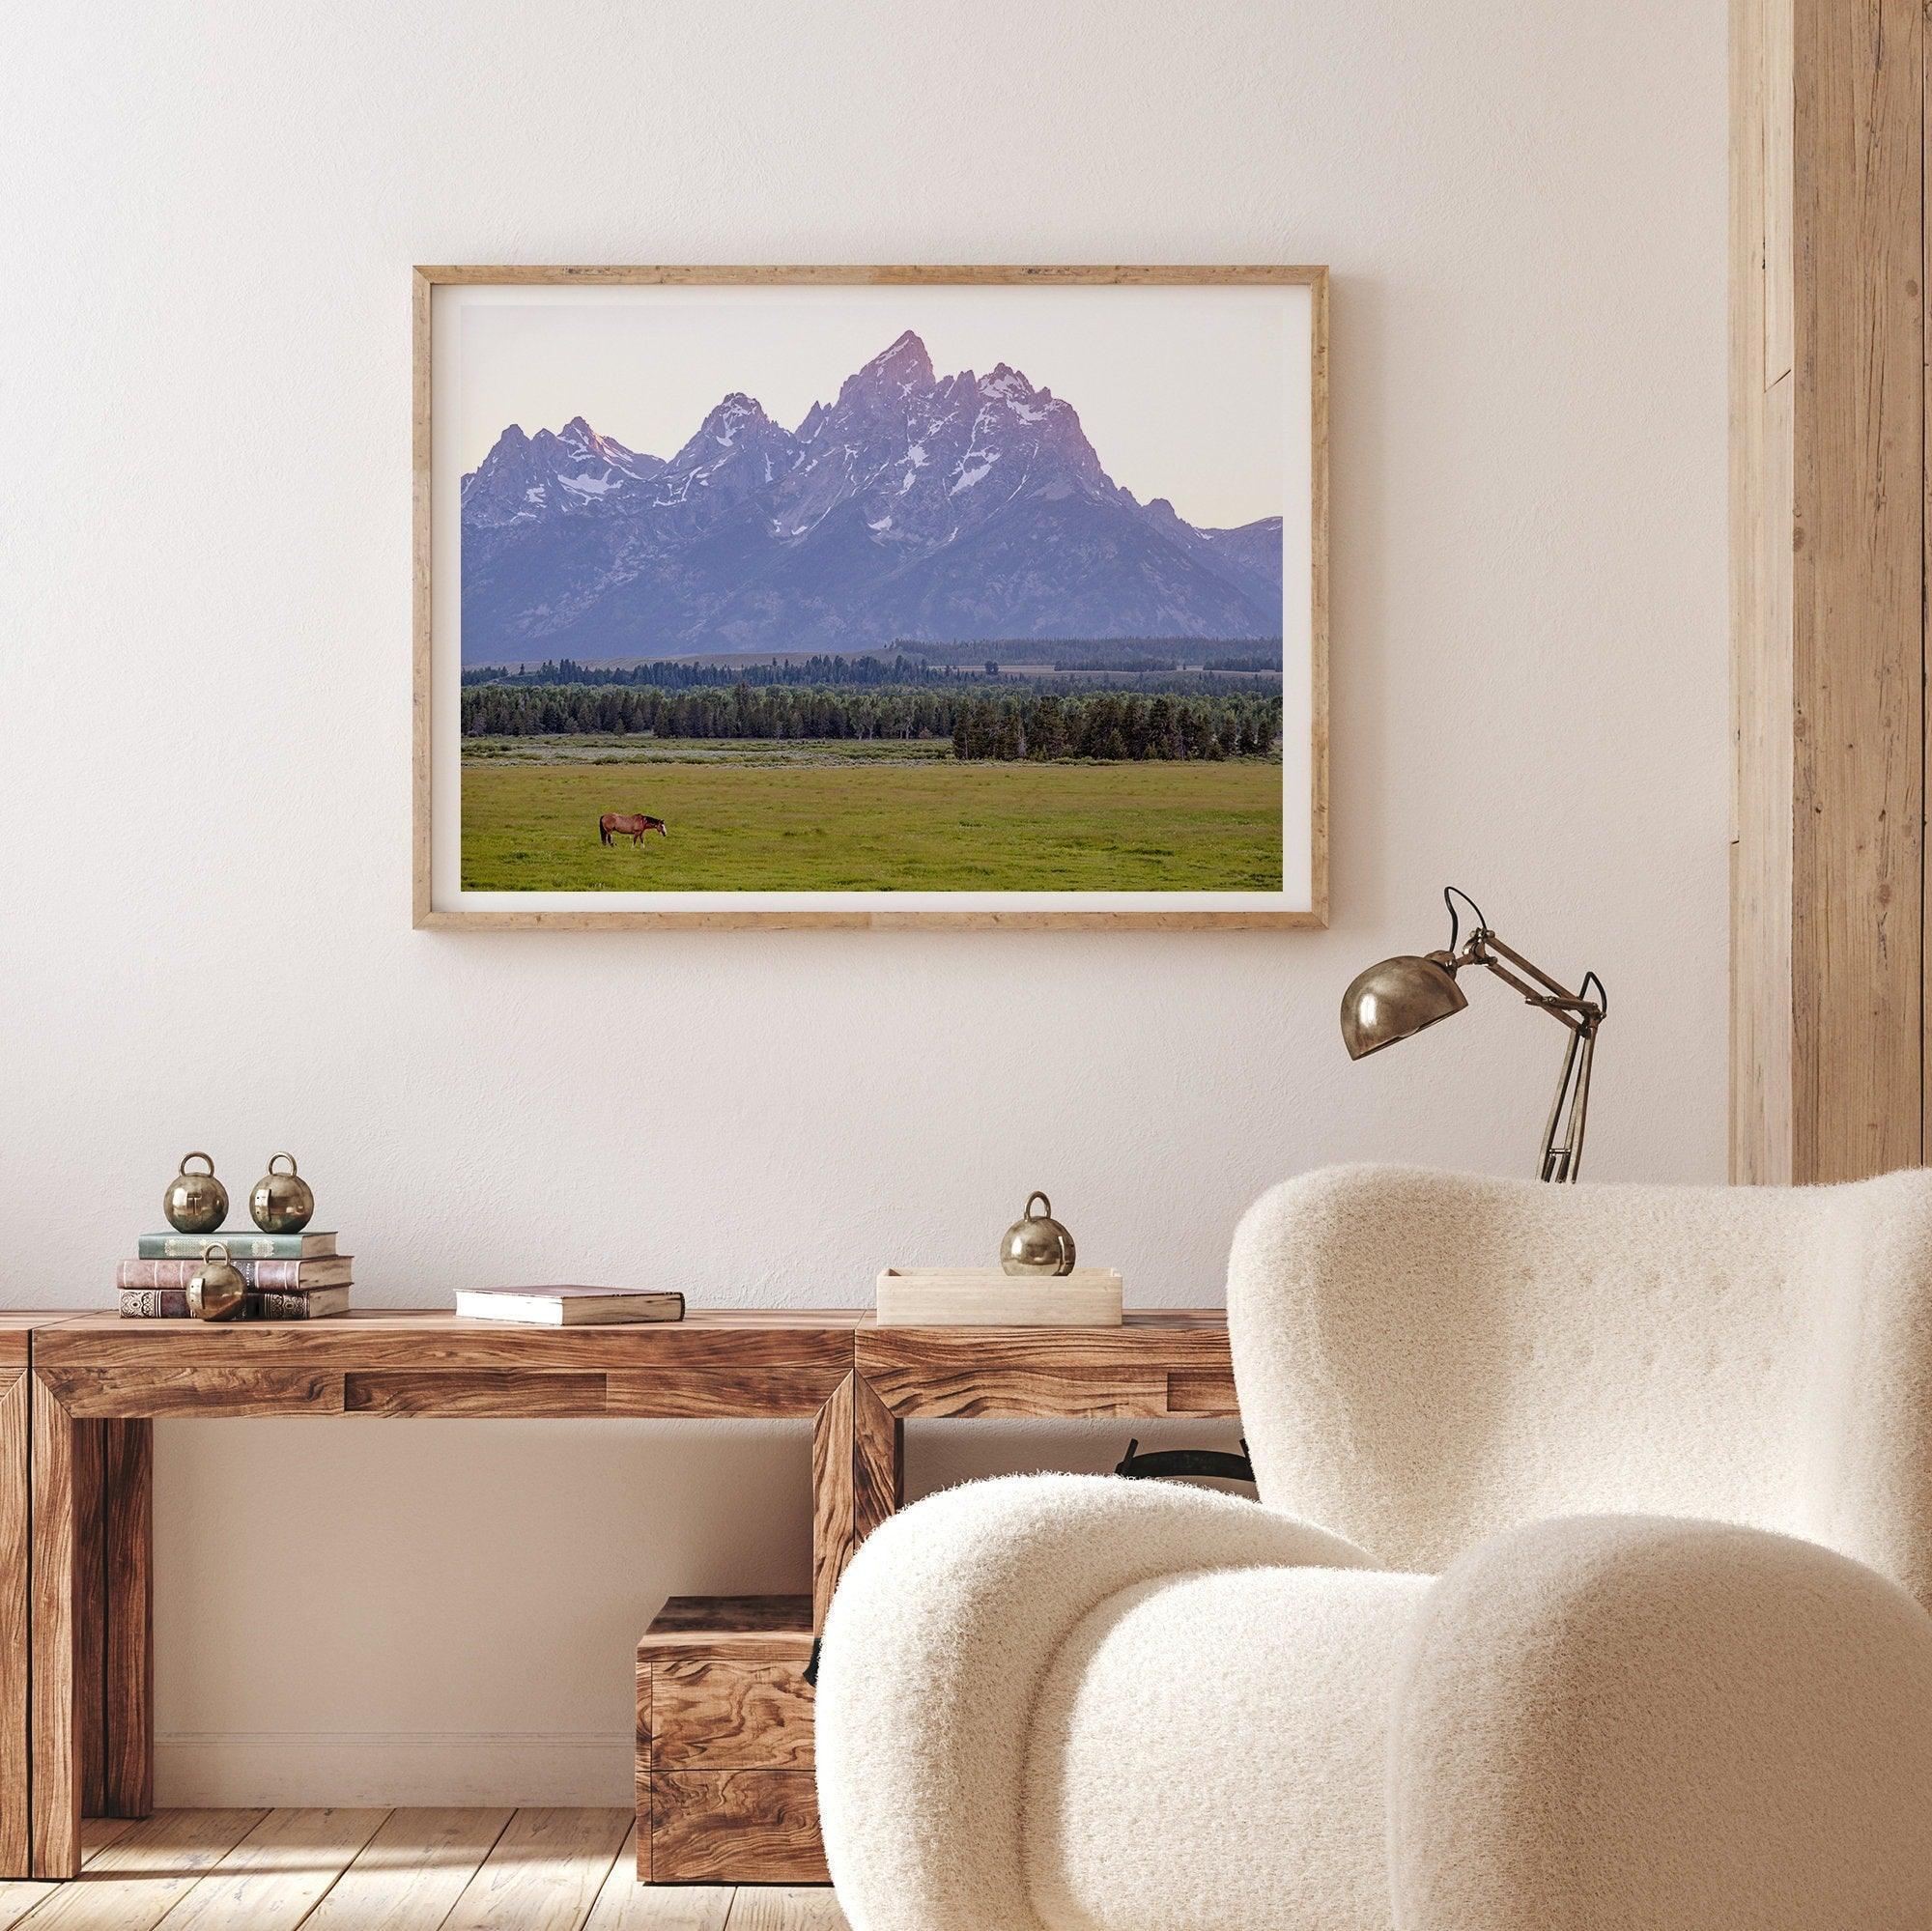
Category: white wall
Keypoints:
(204, 744)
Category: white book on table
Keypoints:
(568, 1307)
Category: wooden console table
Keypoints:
(79, 1395)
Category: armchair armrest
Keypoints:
(936, 1649)
(1608, 1722)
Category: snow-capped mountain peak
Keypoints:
(525, 477)
(738, 418)
(738, 449)
(899, 369)
(910, 505)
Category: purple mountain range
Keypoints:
(913, 507)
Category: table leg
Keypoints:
(858, 1479)
(832, 1542)
(15, 1430)
(55, 1723)
(90, 1613)
(878, 1461)
(128, 1781)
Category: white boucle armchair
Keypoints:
(1615, 1618)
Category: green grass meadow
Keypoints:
(882, 816)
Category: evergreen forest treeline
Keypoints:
(1023, 722)
(917, 664)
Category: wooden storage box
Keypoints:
(990, 1297)
(725, 1793)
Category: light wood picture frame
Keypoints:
(561, 576)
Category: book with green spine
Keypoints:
(248, 1245)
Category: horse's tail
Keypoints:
(603, 831)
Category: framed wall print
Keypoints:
(954, 596)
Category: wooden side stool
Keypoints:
(725, 1793)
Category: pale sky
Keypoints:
(1186, 393)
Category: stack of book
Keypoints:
(292, 1276)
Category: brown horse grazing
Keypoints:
(633, 822)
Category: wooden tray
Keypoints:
(988, 1297)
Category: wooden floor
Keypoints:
(388, 1870)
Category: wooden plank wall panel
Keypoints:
(1829, 1001)
(1857, 619)
(1761, 526)
(1771, 1040)
(1774, 204)
(1858, 589)
(1926, 578)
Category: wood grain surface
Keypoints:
(254, 1870)
(20, 1895)
(833, 1535)
(624, 1904)
(54, 1782)
(544, 1873)
(1830, 999)
(878, 1461)
(96, 1381)
(472, 1391)
(279, 1873)
(733, 1826)
(740, 1629)
(731, 1715)
(783, 1908)
(128, 1636)
(410, 1872)
(133, 1387)
(15, 1430)
(987, 1298)
(90, 1613)
(1071, 1371)
(771, 1389)
(149, 1870)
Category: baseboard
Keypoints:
(390, 1767)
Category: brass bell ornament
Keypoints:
(1036, 1243)
(195, 1203)
(281, 1203)
(216, 1291)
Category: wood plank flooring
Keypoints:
(388, 1870)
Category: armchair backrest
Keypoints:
(1423, 1359)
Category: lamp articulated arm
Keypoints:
(1558, 1159)
(1401, 996)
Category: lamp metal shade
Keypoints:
(1394, 999)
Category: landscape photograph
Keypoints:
(899, 591)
